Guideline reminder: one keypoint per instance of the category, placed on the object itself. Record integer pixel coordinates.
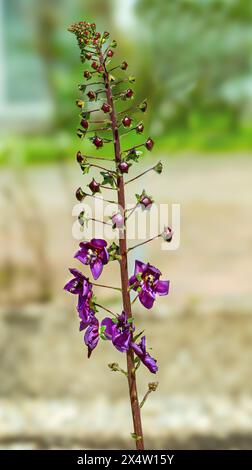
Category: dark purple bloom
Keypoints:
(146, 281)
(95, 254)
(140, 350)
(119, 332)
(86, 310)
(92, 335)
(79, 285)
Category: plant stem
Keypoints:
(139, 176)
(106, 287)
(131, 376)
(143, 243)
(106, 309)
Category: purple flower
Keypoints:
(140, 350)
(79, 284)
(92, 335)
(118, 331)
(95, 254)
(146, 281)
(86, 310)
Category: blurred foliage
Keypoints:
(201, 55)
(191, 59)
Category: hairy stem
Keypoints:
(135, 408)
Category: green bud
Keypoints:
(158, 168)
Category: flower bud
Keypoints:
(94, 65)
(84, 123)
(106, 34)
(149, 144)
(124, 65)
(97, 141)
(140, 128)
(106, 108)
(87, 74)
(117, 220)
(129, 93)
(80, 195)
(79, 157)
(100, 69)
(113, 44)
(110, 53)
(80, 103)
(94, 186)
(127, 121)
(144, 200)
(158, 168)
(143, 106)
(91, 95)
(88, 55)
(124, 167)
(167, 234)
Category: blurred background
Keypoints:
(192, 60)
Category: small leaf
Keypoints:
(108, 178)
(135, 338)
(135, 436)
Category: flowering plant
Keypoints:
(100, 121)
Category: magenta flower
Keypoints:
(146, 282)
(147, 360)
(92, 335)
(118, 331)
(95, 254)
(79, 285)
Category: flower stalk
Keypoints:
(120, 330)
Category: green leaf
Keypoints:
(135, 338)
(135, 436)
(108, 178)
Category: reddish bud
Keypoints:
(124, 65)
(88, 55)
(94, 65)
(98, 142)
(79, 157)
(80, 195)
(140, 128)
(123, 167)
(84, 123)
(87, 74)
(94, 186)
(129, 93)
(91, 95)
(110, 53)
(97, 35)
(100, 69)
(127, 121)
(149, 144)
(105, 108)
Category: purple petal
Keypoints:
(162, 287)
(98, 243)
(146, 298)
(139, 267)
(71, 287)
(104, 256)
(109, 327)
(86, 287)
(76, 273)
(132, 280)
(150, 363)
(91, 337)
(122, 340)
(81, 255)
(97, 268)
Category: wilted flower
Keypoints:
(117, 220)
(140, 350)
(95, 254)
(167, 234)
(146, 282)
(92, 335)
(158, 168)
